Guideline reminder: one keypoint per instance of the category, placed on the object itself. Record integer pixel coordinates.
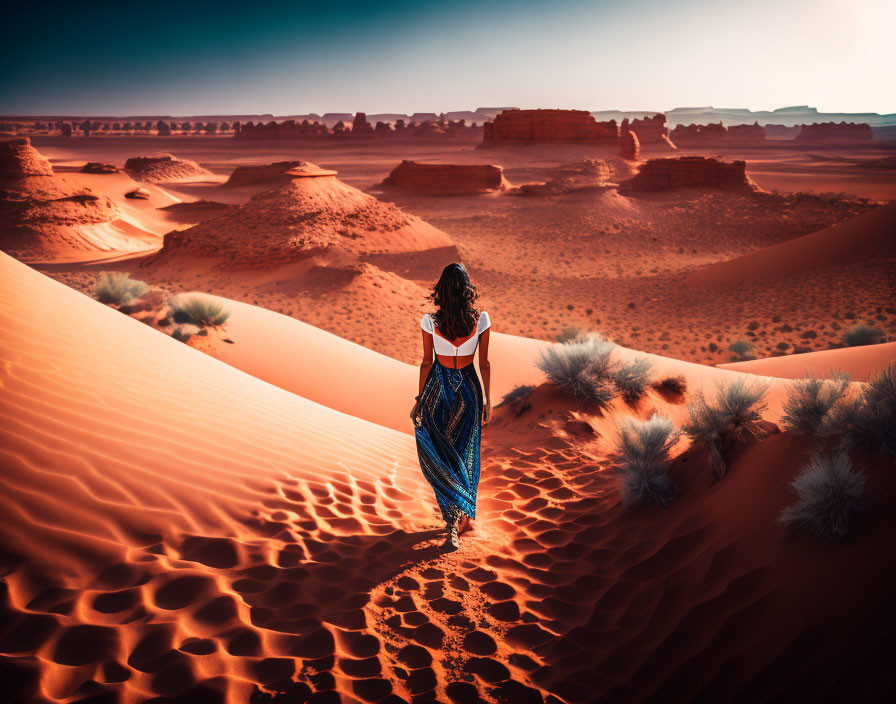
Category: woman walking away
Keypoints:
(449, 413)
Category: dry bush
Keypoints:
(830, 496)
(642, 460)
(581, 368)
(809, 400)
(198, 310)
(862, 334)
(118, 288)
(517, 392)
(735, 415)
(633, 377)
(868, 417)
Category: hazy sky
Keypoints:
(192, 58)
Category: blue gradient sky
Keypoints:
(191, 58)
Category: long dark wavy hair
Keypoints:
(454, 296)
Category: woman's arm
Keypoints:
(426, 364)
(486, 371)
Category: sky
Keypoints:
(203, 58)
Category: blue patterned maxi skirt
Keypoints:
(448, 437)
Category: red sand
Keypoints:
(175, 527)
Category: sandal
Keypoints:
(452, 541)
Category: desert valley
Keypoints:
(209, 349)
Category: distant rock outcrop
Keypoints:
(313, 215)
(716, 132)
(47, 216)
(629, 146)
(835, 130)
(96, 167)
(688, 171)
(586, 174)
(446, 179)
(650, 130)
(360, 125)
(277, 174)
(531, 126)
(164, 168)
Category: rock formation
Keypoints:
(629, 146)
(46, 216)
(96, 167)
(288, 129)
(688, 171)
(529, 126)
(314, 216)
(650, 130)
(716, 132)
(835, 130)
(586, 174)
(446, 179)
(360, 125)
(277, 174)
(163, 168)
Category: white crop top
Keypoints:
(445, 347)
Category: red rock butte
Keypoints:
(277, 174)
(447, 179)
(717, 132)
(688, 171)
(573, 126)
(835, 130)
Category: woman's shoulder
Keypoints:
(485, 321)
(426, 322)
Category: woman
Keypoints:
(449, 412)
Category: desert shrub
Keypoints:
(867, 417)
(117, 287)
(735, 415)
(581, 368)
(862, 334)
(568, 334)
(829, 497)
(198, 310)
(808, 402)
(633, 377)
(741, 351)
(642, 460)
(517, 392)
(674, 385)
(181, 335)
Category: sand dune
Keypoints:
(858, 362)
(173, 527)
(870, 235)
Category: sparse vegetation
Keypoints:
(642, 460)
(568, 334)
(198, 310)
(867, 417)
(181, 335)
(672, 385)
(830, 496)
(808, 402)
(633, 377)
(118, 287)
(741, 350)
(862, 334)
(735, 415)
(517, 392)
(581, 368)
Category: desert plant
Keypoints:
(830, 496)
(642, 460)
(633, 377)
(198, 310)
(741, 351)
(517, 392)
(736, 415)
(809, 400)
(568, 334)
(581, 368)
(862, 334)
(181, 335)
(866, 417)
(117, 287)
(674, 385)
